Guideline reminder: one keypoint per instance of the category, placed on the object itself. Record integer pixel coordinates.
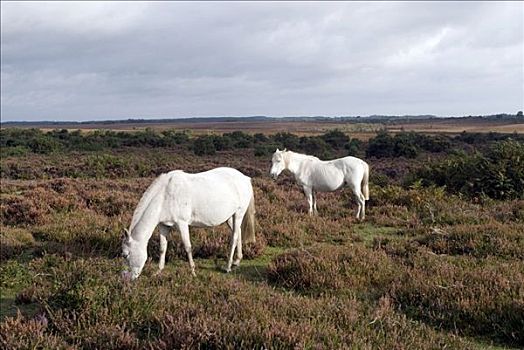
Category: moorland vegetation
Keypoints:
(438, 262)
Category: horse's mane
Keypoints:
(148, 195)
(301, 155)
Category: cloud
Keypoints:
(85, 61)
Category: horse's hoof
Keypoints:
(236, 263)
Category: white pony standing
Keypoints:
(181, 200)
(315, 175)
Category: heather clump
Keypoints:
(474, 298)
(506, 241)
(14, 241)
(351, 269)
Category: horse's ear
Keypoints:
(127, 234)
(278, 150)
(285, 150)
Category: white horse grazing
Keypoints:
(180, 199)
(315, 175)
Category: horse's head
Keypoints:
(279, 163)
(135, 254)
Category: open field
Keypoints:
(431, 267)
(362, 130)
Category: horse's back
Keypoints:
(330, 175)
(211, 197)
(350, 164)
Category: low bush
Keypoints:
(14, 241)
(474, 298)
(497, 173)
(405, 144)
(204, 145)
(32, 333)
(481, 241)
(353, 269)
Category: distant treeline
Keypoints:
(15, 141)
(353, 119)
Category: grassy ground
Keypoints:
(426, 269)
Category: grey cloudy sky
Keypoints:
(102, 60)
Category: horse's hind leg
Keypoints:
(237, 221)
(308, 191)
(362, 206)
(239, 251)
(361, 201)
(184, 234)
(164, 231)
(239, 243)
(314, 196)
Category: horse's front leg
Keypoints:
(184, 234)
(309, 196)
(164, 231)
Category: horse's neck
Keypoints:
(148, 220)
(295, 162)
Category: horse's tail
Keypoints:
(365, 181)
(249, 222)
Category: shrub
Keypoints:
(287, 140)
(264, 150)
(223, 143)
(405, 144)
(260, 138)
(315, 146)
(240, 139)
(335, 138)
(44, 144)
(498, 173)
(204, 145)
(173, 137)
(353, 147)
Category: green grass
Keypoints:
(368, 232)
(14, 277)
(252, 270)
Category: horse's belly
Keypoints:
(328, 181)
(328, 186)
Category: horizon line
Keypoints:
(156, 119)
